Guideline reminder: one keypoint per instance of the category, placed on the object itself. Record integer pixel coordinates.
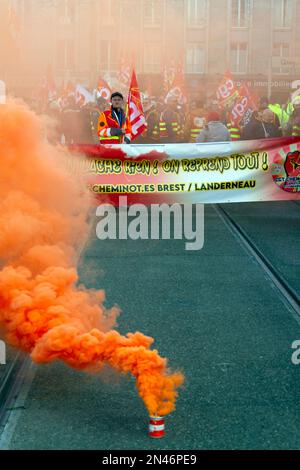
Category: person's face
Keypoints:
(172, 103)
(117, 102)
(267, 116)
(146, 105)
(263, 105)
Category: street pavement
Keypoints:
(216, 316)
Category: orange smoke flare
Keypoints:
(42, 228)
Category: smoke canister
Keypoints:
(157, 426)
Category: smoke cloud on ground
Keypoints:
(43, 226)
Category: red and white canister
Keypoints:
(157, 426)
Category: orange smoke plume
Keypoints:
(42, 228)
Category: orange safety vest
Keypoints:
(106, 122)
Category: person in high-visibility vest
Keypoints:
(234, 131)
(113, 127)
(151, 133)
(293, 128)
(169, 123)
(296, 128)
(90, 113)
(195, 121)
(280, 113)
(293, 105)
(181, 113)
(264, 103)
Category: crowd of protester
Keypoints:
(171, 122)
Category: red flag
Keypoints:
(178, 88)
(227, 91)
(238, 102)
(103, 89)
(135, 112)
(169, 74)
(243, 108)
(65, 92)
(124, 73)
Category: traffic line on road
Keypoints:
(287, 293)
(11, 408)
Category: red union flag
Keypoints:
(177, 89)
(124, 73)
(103, 89)
(135, 112)
(243, 108)
(169, 74)
(227, 92)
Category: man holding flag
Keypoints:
(117, 127)
(113, 127)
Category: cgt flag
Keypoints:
(135, 112)
(238, 103)
(124, 73)
(103, 89)
(227, 92)
(83, 96)
(177, 88)
(243, 108)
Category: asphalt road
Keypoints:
(215, 315)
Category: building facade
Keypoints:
(258, 40)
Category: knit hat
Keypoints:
(212, 116)
(117, 93)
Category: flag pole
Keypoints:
(126, 108)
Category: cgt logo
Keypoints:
(286, 170)
(292, 164)
(296, 354)
(2, 353)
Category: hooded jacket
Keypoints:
(214, 131)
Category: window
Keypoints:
(195, 12)
(240, 13)
(152, 12)
(109, 12)
(282, 13)
(66, 9)
(195, 58)
(109, 59)
(152, 57)
(239, 57)
(65, 54)
(281, 50)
